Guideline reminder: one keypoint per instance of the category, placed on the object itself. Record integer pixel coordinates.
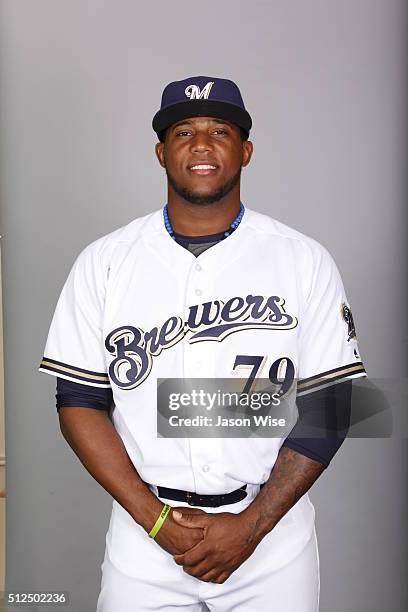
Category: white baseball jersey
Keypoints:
(137, 306)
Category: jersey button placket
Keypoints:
(194, 363)
(195, 367)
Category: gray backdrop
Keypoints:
(80, 82)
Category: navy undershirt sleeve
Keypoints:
(322, 426)
(76, 394)
(323, 423)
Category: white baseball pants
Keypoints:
(282, 574)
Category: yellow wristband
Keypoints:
(162, 516)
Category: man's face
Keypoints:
(203, 158)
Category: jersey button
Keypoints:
(198, 268)
(206, 468)
(198, 292)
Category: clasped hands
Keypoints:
(227, 541)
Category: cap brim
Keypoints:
(165, 117)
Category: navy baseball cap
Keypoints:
(201, 95)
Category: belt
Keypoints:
(196, 499)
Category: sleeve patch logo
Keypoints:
(348, 317)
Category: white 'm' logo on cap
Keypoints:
(193, 91)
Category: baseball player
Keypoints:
(202, 288)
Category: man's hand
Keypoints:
(227, 543)
(177, 539)
(229, 539)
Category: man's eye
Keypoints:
(181, 133)
(220, 131)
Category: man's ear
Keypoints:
(159, 148)
(247, 150)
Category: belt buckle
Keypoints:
(189, 498)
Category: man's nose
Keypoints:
(201, 142)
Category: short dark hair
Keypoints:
(244, 134)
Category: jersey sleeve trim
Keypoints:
(330, 377)
(70, 372)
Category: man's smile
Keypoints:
(203, 169)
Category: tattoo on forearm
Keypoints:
(292, 475)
